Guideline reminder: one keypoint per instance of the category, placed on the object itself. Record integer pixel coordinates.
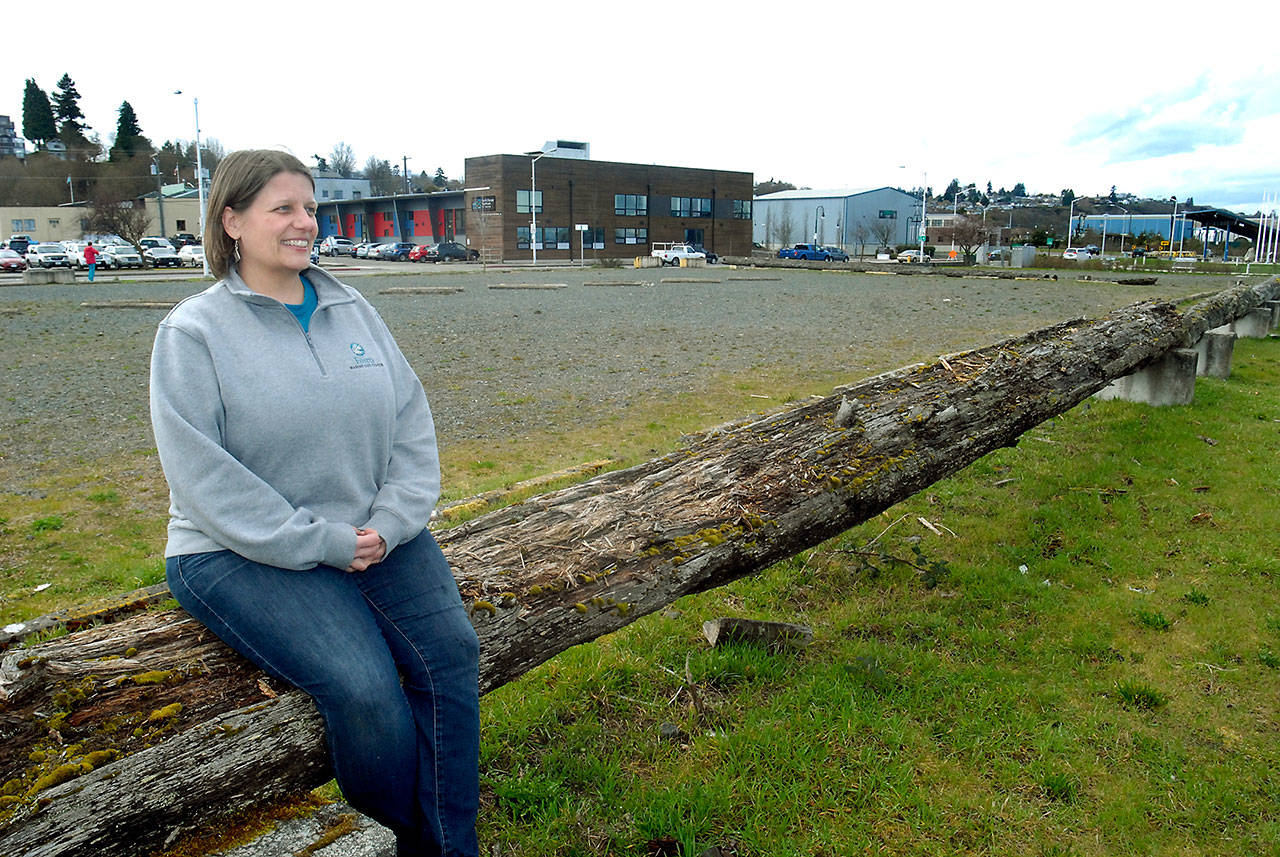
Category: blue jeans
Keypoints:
(93, 266)
(405, 751)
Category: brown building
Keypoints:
(625, 207)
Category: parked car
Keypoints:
(75, 252)
(450, 251)
(47, 255)
(122, 255)
(11, 261)
(191, 254)
(154, 241)
(419, 253)
(19, 242)
(914, 256)
(712, 258)
(315, 253)
(161, 257)
(397, 252)
(362, 250)
(835, 254)
(334, 245)
(182, 239)
(1076, 253)
(671, 254)
(808, 252)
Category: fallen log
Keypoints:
(116, 738)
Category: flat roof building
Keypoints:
(625, 208)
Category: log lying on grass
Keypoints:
(115, 738)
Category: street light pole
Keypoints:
(1173, 219)
(924, 221)
(1070, 217)
(199, 175)
(533, 205)
(816, 240)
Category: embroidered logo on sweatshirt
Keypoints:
(362, 361)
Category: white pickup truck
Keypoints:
(671, 254)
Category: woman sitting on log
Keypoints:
(301, 459)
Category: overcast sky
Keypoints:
(1156, 99)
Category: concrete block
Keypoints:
(63, 275)
(647, 262)
(1171, 380)
(1255, 324)
(1274, 306)
(37, 276)
(1215, 350)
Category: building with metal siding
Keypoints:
(424, 218)
(856, 220)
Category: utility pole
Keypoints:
(405, 161)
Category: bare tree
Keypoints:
(883, 231)
(383, 180)
(860, 234)
(342, 159)
(967, 233)
(126, 218)
(785, 227)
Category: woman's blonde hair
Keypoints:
(237, 180)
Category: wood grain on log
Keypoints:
(114, 737)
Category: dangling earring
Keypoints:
(236, 249)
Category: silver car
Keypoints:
(122, 255)
(47, 256)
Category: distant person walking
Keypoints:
(91, 259)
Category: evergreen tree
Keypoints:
(129, 139)
(66, 107)
(440, 179)
(37, 116)
(1019, 189)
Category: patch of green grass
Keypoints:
(1196, 597)
(46, 524)
(1153, 619)
(1020, 706)
(1140, 695)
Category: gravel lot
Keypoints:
(498, 363)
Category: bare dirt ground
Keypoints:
(503, 363)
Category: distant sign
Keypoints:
(581, 227)
(484, 203)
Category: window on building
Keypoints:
(522, 237)
(594, 238)
(182, 225)
(630, 205)
(742, 209)
(690, 206)
(355, 194)
(324, 194)
(630, 235)
(888, 214)
(522, 201)
(29, 225)
(337, 194)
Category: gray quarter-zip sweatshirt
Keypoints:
(278, 442)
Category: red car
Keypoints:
(11, 261)
(419, 253)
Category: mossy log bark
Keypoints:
(115, 738)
